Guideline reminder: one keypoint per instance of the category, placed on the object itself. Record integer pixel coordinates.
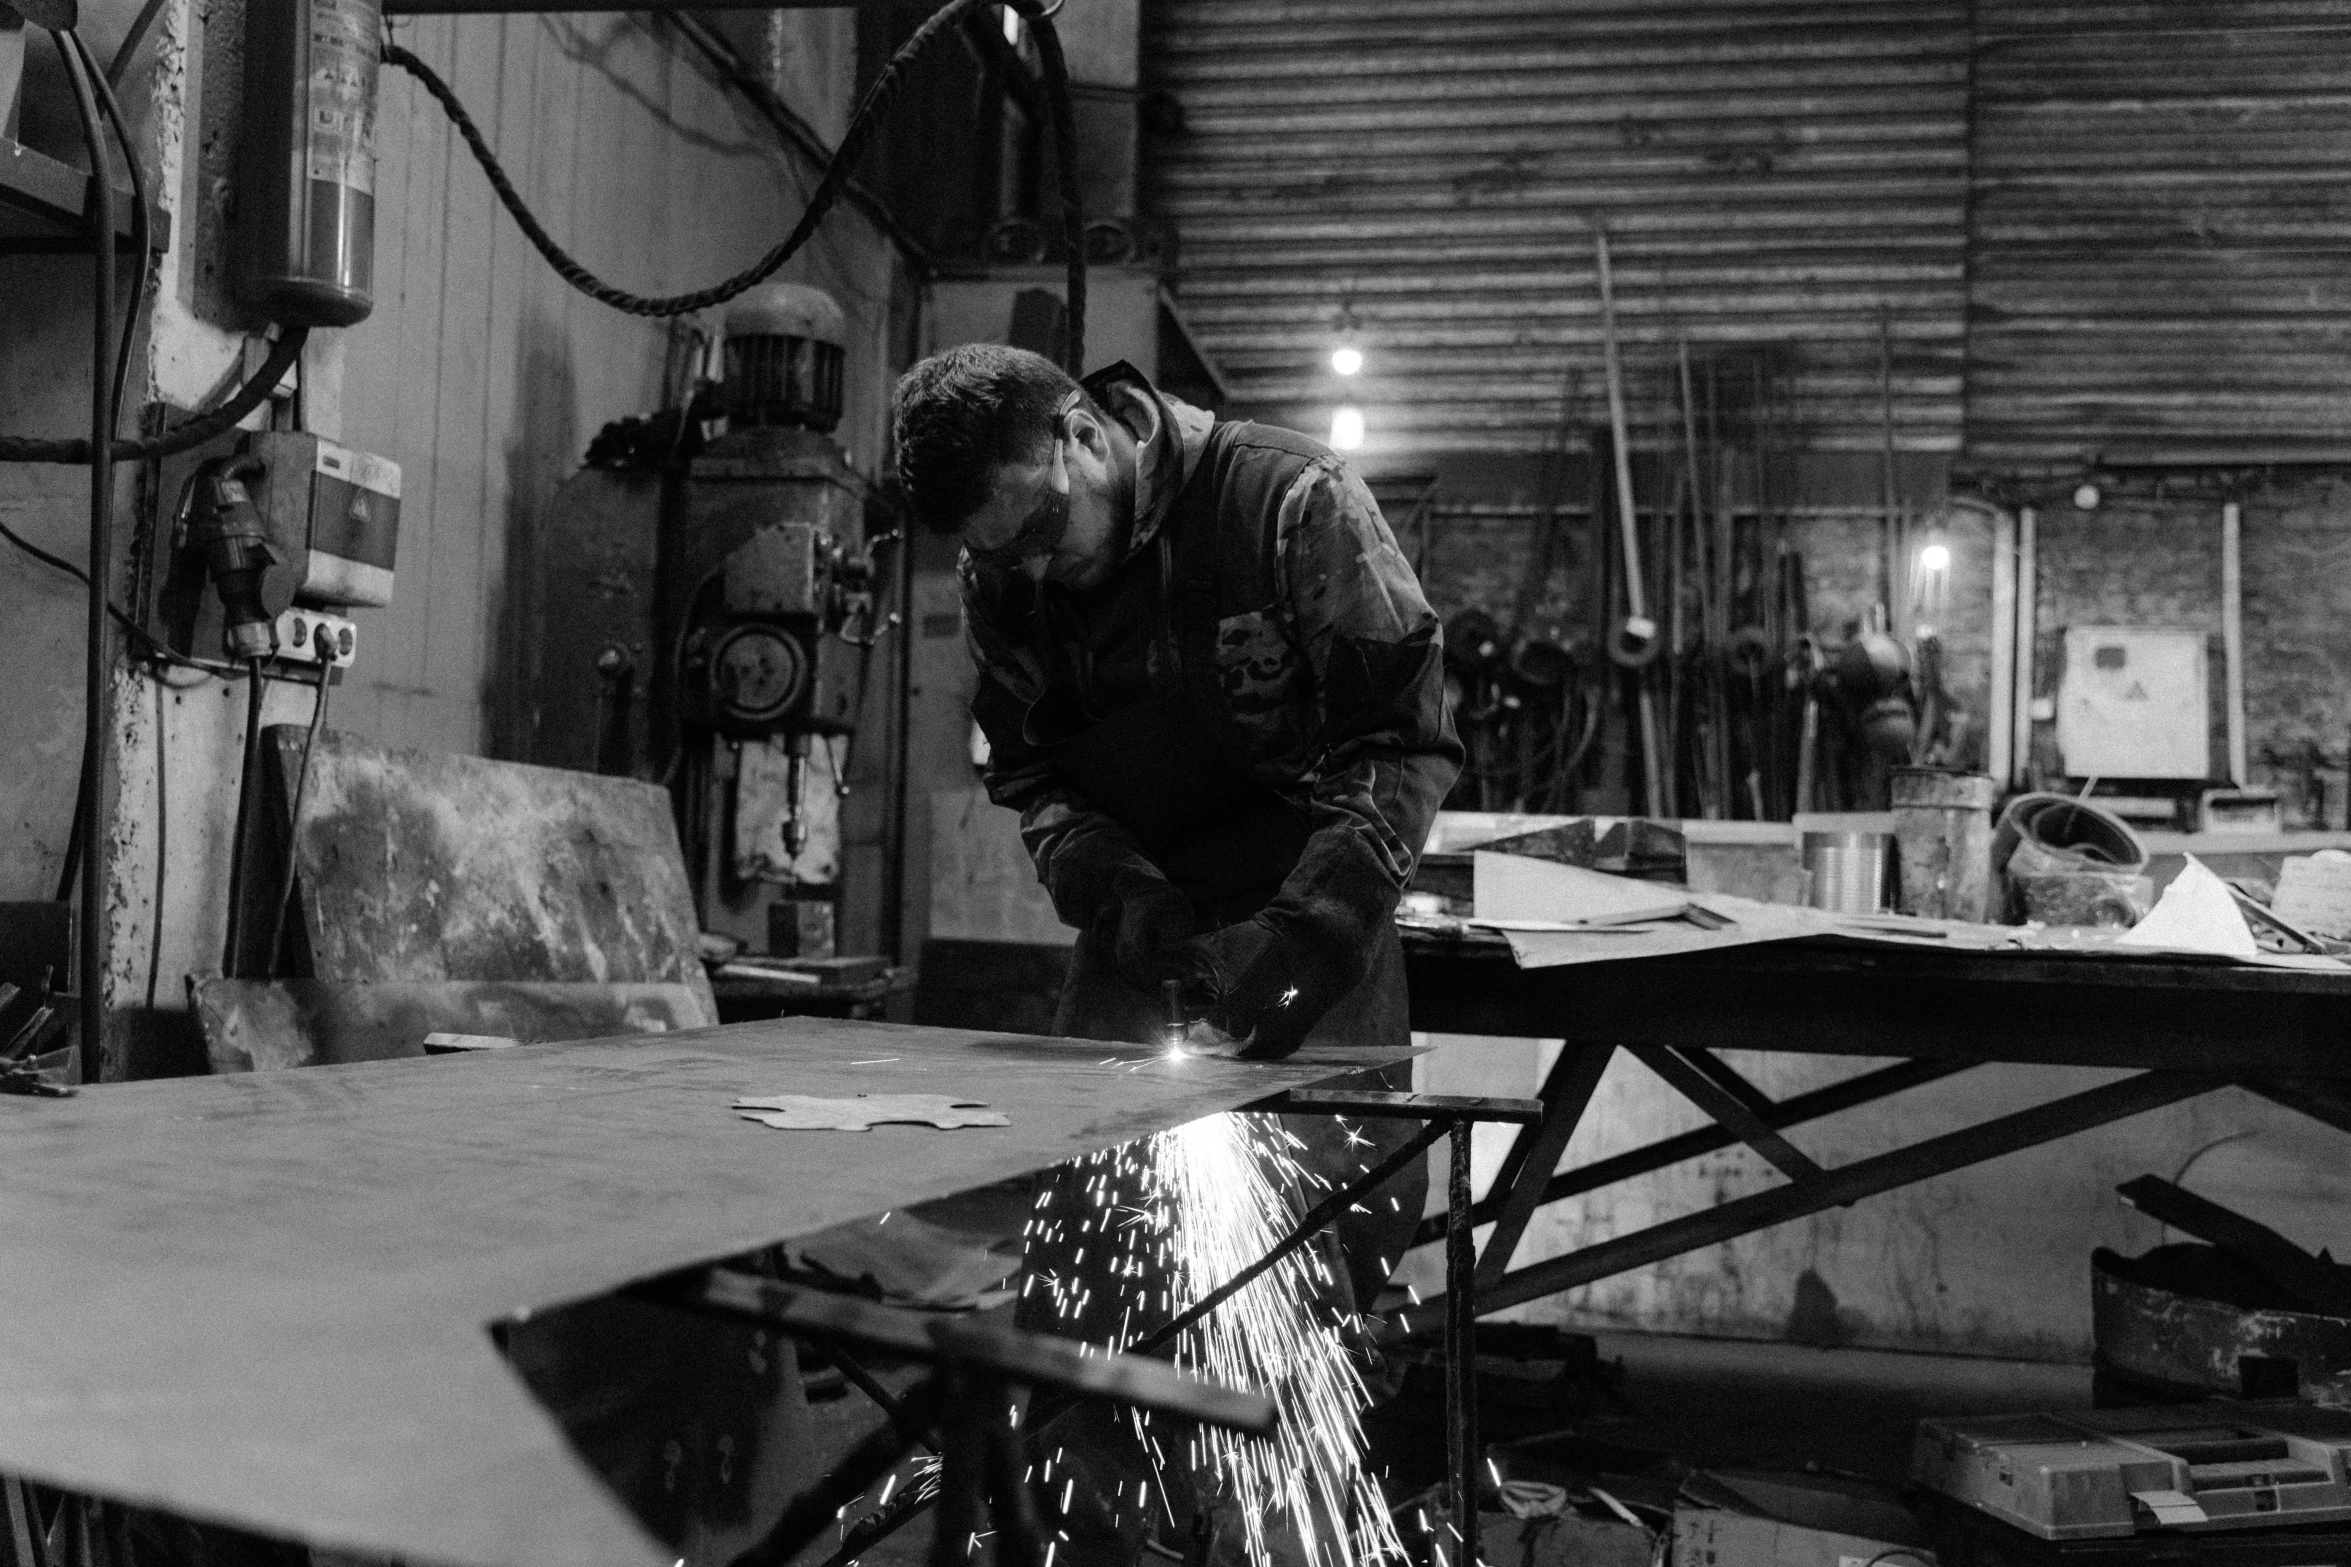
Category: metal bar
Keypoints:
(1535, 1154)
(1032, 1358)
(1317, 1217)
(1835, 1188)
(814, 1510)
(871, 1387)
(1727, 1107)
(1315, 1220)
(1411, 1107)
(2318, 1285)
(1461, 1348)
(2232, 634)
(2028, 590)
(1867, 1088)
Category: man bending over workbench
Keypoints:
(1212, 687)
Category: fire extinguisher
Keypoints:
(305, 225)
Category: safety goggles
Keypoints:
(1040, 533)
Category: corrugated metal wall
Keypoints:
(2161, 247)
(1772, 172)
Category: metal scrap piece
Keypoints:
(806, 1113)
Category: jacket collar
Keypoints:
(1164, 459)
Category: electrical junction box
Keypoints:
(332, 519)
(342, 506)
(2135, 703)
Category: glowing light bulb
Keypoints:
(1935, 557)
(1346, 361)
(1346, 429)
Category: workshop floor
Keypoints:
(1709, 1402)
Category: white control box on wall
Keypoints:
(2135, 703)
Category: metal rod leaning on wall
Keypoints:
(2028, 588)
(1632, 644)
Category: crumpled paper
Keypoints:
(806, 1113)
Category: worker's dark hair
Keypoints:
(960, 414)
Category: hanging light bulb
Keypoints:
(1346, 428)
(1935, 557)
(1346, 359)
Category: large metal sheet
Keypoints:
(266, 1300)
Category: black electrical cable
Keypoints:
(836, 176)
(142, 230)
(1065, 163)
(834, 184)
(792, 128)
(248, 785)
(85, 784)
(90, 962)
(131, 628)
(318, 718)
(283, 353)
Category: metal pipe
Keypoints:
(2001, 730)
(1638, 630)
(2028, 589)
(1461, 1347)
(2232, 632)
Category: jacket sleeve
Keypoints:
(1085, 860)
(1386, 749)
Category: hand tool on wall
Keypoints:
(1633, 642)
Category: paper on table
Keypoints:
(1514, 889)
(2196, 913)
(2314, 891)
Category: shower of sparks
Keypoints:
(1171, 1217)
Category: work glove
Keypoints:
(1141, 919)
(1264, 983)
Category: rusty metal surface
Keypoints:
(419, 866)
(266, 1299)
(257, 1025)
(2182, 1337)
(1770, 171)
(2161, 238)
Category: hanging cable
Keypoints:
(142, 230)
(285, 895)
(1065, 140)
(90, 962)
(232, 954)
(834, 184)
(791, 127)
(861, 131)
(283, 353)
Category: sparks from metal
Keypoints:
(1178, 1214)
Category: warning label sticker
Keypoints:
(342, 92)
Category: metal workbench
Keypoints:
(270, 1300)
(2182, 1027)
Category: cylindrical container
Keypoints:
(306, 182)
(1848, 870)
(1943, 838)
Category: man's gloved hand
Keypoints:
(1143, 918)
(1263, 982)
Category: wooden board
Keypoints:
(418, 866)
(256, 1025)
(267, 1299)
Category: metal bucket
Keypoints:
(1848, 870)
